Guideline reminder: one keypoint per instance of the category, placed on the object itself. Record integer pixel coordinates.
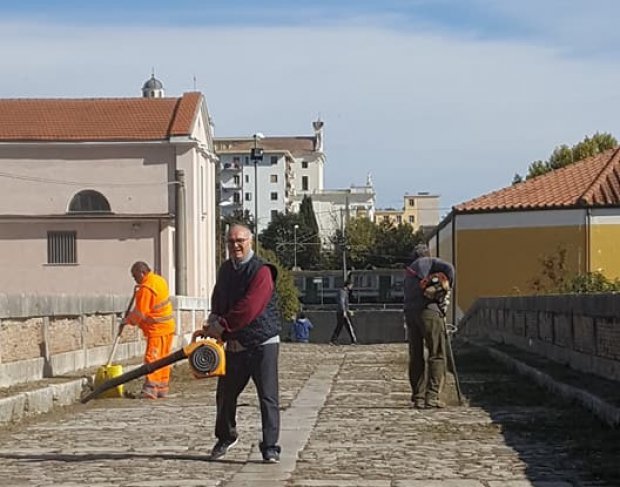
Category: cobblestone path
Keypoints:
(347, 421)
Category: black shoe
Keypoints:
(435, 403)
(419, 403)
(221, 448)
(270, 454)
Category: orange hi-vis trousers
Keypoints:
(156, 383)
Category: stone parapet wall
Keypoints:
(371, 326)
(49, 335)
(582, 331)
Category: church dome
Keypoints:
(153, 84)
(153, 88)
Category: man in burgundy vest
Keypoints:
(244, 315)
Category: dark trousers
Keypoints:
(261, 364)
(426, 327)
(343, 320)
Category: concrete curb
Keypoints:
(32, 403)
(605, 411)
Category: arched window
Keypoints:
(89, 201)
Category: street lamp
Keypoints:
(295, 247)
(256, 155)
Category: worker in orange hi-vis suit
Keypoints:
(153, 313)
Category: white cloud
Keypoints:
(421, 111)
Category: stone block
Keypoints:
(21, 371)
(68, 393)
(545, 326)
(67, 362)
(21, 339)
(562, 330)
(583, 329)
(39, 401)
(518, 323)
(12, 408)
(608, 338)
(64, 334)
(531, 324)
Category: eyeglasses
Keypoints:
(233, 241)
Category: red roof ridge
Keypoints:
(591, 181)
(184, 113)
(613, 164)
(89, 98)
(98, 119)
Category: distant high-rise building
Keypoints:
(289, 168)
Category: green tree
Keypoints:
(279, 237)
(555, 278)
(564, 155)
(394, 245)
(308, 236)
(360, 238)
(591, 282)
(288, 296)
(554, 272)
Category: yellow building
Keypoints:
(497, 241)
(419, 210)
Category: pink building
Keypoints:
(88, 186)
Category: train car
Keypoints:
(369, 286)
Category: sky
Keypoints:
(451, 97)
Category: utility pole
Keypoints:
(344, 245)
(347, 215)
(180, 236)
(256, 155)
(295, 247)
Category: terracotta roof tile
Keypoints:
(97, 119)
(295, 145)
(186, 112)
(595, 181)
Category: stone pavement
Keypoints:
(346, 421)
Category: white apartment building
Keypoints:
(333, 207)
(289, 168)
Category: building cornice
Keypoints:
(89, 217)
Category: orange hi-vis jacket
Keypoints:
(152, 311)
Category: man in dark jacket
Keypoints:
(343, 315)
(244, 315)
(426, 326)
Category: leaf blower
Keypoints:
(207, 358)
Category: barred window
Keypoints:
(61, 248)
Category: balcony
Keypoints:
(230, 186)
(231, 166)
